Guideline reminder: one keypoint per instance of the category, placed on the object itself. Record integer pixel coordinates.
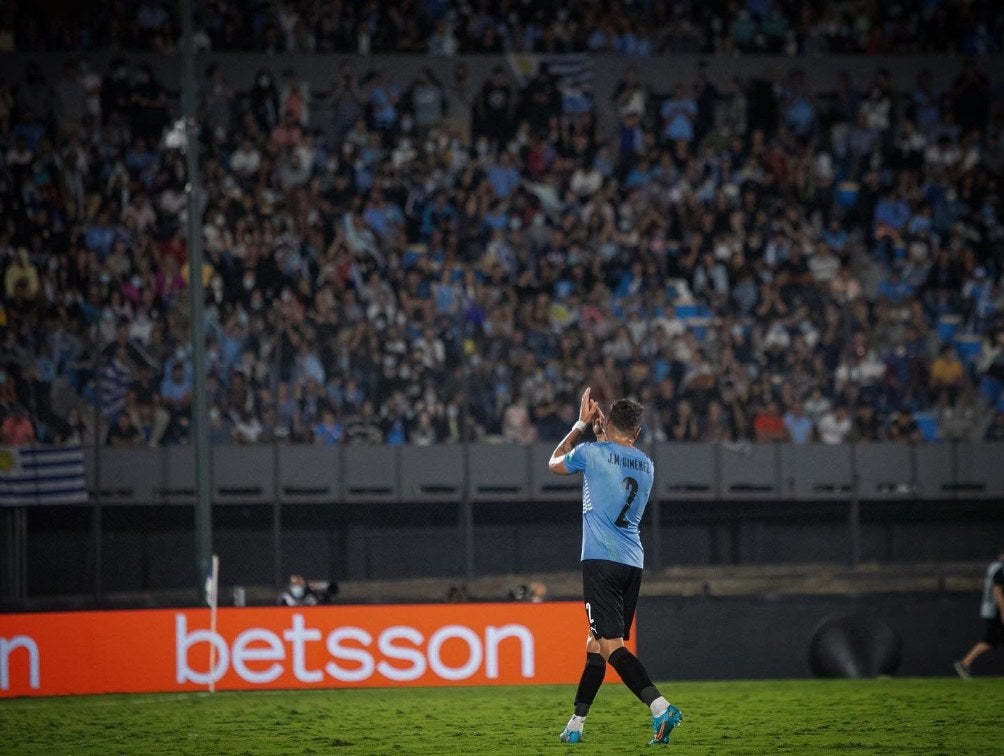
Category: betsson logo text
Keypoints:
(402, 653)
(7, 648)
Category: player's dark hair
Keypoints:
(625, 414)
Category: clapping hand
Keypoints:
(599, 424)
(591, 414)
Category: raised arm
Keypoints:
(588, 412)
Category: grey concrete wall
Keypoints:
(685, 472)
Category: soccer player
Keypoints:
(992, 612)
(616, 484)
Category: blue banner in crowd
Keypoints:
(42, 475)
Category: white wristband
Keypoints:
(580, 426)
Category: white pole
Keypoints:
(212, 598)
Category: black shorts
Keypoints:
(610, 590)
(994, 634)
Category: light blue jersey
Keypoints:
(616, 483)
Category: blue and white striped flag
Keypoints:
(42, 475)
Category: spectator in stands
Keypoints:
(990, 367)
(17, 428)
(75, 431)
(798, 424)
(583, 227)
(346, 104)
(246, 159)
(363, 427)
(264, 102)
(247, 429)
(123, 433)
(867, 427)
(684, 423)
(903, 428)
(115, 377)
(329, 431)
(21, 277)
(517, 426)
(550, 424)
(428, 102)
(678, 114)
(494, 109)
(143, 403)
(217, 105)
(148, 105)
(69, 100)
(834, 426)
(958, 419)
(769, 425)
(947, 372)
(176, 392)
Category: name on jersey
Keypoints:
(630, 463)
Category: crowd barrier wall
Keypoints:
(500, 472)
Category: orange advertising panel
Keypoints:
(168, 650)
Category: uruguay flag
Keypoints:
(42, 475)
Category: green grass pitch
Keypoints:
(884, 716)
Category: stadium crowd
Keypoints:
(441, 261)
(448, 27)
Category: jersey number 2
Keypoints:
(632, 488)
